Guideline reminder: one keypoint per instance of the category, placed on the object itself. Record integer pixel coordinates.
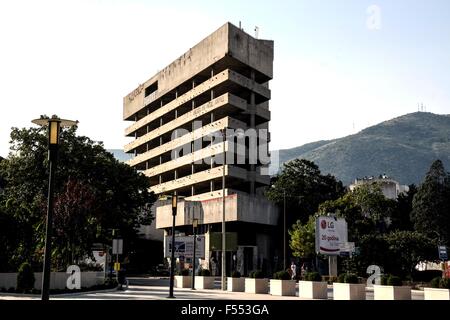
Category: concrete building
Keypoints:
(177, 118)
(390, 187)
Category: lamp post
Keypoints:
(223, 282)
(284, 227)
(194, 226)
(54, 125)
(172, 256)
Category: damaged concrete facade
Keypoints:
(221, 83)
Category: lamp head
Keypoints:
(54, 127)
(174, 201)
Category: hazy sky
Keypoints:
(339, 66)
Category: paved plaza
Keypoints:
(144, 288)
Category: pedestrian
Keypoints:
(294, 270)
(303, 270)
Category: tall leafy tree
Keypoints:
(431, 204)
(366, 210)
(305, 188)
(302, 242)
(94, 193)
(401, 216)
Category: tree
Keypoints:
(401, 216)
(302, 242)
(431, 204)
(93, 194)
(365, 209)
(305, 189)
(407, 249)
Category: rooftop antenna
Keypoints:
(256, 32)
(240, 25)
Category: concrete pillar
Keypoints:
(211, 183)
(253, 126)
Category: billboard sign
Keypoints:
(331, 235)
(184, 247)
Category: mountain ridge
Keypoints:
(403, 148)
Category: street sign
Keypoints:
(184, 246)
(116, 266)
(443, 253)
(117, 246)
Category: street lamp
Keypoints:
(194, 226)
(223, 282)
(54, 125)
(284, 227)
(172, 256)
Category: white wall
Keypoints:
(57, 280)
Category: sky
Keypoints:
(339, 66)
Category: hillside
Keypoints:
(402, 148)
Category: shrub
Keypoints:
(111, 283)
(341, 278)
(184, 272)
(236, 274)
(258, 274)
(282, 275)
(25, 278)
(444, 283)
(384, 279)
(394, 281)
(351, 278)
(313, 276)
(204, 273)
(435, 282)
(426, 276)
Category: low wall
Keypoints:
(58, 280)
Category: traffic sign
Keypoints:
(117, 246)
(443, 253)
(117, 266)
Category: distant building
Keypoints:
(390, 187)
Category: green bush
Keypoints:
(258, 274)
(341, 278)
(351, 278)
(110, 283)
(25, 278)
(384, 279)
(426, 276)
(435, 282)
(394, 281)
(313, 276)
(204, 273)
(444, 283)
(236, 274)
(282, 275)
(184, 272)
